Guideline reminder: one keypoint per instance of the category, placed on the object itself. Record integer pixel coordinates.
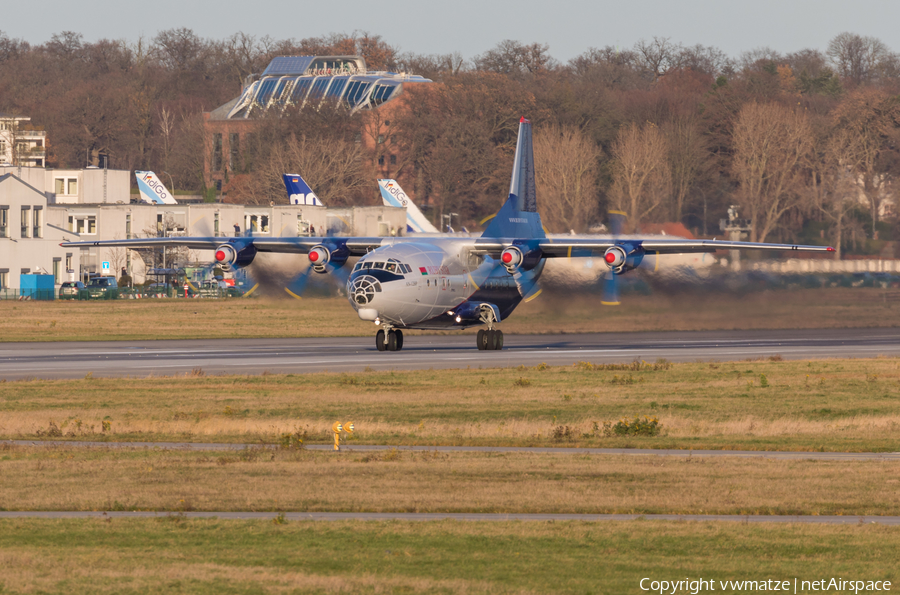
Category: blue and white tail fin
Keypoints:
(152, 189)
(393, 196)
(518, 218)
(299, 192)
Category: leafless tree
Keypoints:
(689, 159)
(514, 58)
(770, 143)
(642, 180)
(658, 55)
(858, 58)
(566, 164)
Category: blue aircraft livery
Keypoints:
(299, 191)
(152, 189)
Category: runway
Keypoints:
(355, 354)
(219, 446)
(454, 516)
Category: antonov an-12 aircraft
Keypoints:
(450, 282)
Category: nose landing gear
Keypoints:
(392, 340)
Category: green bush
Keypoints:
(639, 426)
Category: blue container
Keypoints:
(37, 287)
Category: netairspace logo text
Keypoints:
(694, 587)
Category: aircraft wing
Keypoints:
(355, 246)
(583, 247)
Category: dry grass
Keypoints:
(552, 313)
(394, 481)
(236, 557)
(823, 405)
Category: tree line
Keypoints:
(805, 143)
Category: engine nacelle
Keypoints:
(615, 257)
(319, 256)
(234, 257)
(622, 258)
(512, 258)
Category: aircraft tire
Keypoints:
(498, 343)
(379, 340)
(392, 341)
(492, 340)
(481, 340)
(399, 340)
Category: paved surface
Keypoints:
(816, 456)
(458, 516)
(355, 354)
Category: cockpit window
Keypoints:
(367, 265)
(358, 266)
(391, 267)
(378, 265)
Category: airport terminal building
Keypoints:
(39, 208)
(295, 81)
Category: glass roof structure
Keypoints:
(310, 80)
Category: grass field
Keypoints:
(834, 405)
(174, 555)
(394, 481)
(550, 313)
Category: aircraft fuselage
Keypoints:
(430, 285)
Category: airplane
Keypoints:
(152, 189)
(299, 192)
(394, 196)
(448, 282)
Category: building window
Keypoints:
(393, 160)
(4, 279)
(128, 226)
(82, 224)
(258, 223)
(56, 271)
(4, 221)
(66, 186)
(380, 138)
(25, 223)
(69, 268)
(37, 222)
(234, 151)
(216, 225)
(217, 152)
(381, 160)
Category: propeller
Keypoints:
(610, 279)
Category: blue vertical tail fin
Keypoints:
(299, 192)
(518, 218)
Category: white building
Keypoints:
(39, 208)
(21, 143)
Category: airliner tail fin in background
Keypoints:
(393, 196)
(152, 189)
(299, 192)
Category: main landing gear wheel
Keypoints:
(490, 340)
(390, 341)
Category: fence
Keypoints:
(125, 293)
